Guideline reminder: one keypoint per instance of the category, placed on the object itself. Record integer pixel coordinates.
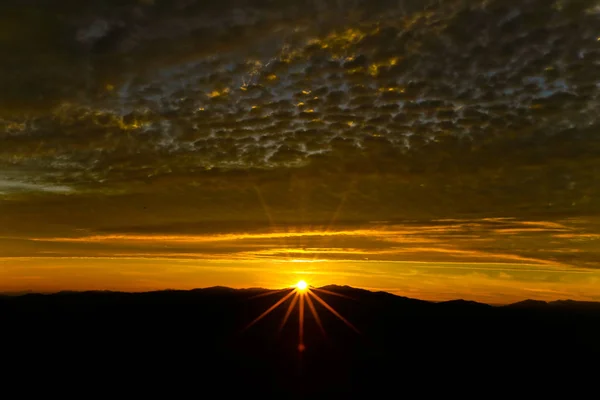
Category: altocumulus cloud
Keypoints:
(302, 113)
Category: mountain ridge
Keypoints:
(340, 289)
(341, 340)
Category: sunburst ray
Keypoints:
(268, 293)
(302, 294)
(269, 310)
(301, 346)
(333, 311)
(315, 314)
(332, 293)
(289, 311)
(269, 216)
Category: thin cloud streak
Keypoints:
(479, 240)
(210, 238)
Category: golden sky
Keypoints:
(488, 260)
(433, 149)
(485, 282)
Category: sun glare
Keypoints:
(300, 295)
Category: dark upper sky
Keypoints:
(430, 131)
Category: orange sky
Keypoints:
(489, 260)
(438, 260)
(491, 283)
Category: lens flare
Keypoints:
(302, 293)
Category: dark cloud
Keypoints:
(429, 109)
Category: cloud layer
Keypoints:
(173, 118)
(167, 90)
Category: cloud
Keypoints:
(11, 186)
(485, 241)
(379, 66)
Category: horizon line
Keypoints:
(32, 292)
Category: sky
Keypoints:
(433, 149)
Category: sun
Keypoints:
(302, 295)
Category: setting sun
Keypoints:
(302, 295)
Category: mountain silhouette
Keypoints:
(529, 304)
(201, 338)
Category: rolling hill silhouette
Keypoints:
(109, 341)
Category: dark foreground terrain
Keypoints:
(193, 343)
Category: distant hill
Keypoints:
(555, 305)
(344, 290)
(463, 303)
(376, 341)
(528, 304)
